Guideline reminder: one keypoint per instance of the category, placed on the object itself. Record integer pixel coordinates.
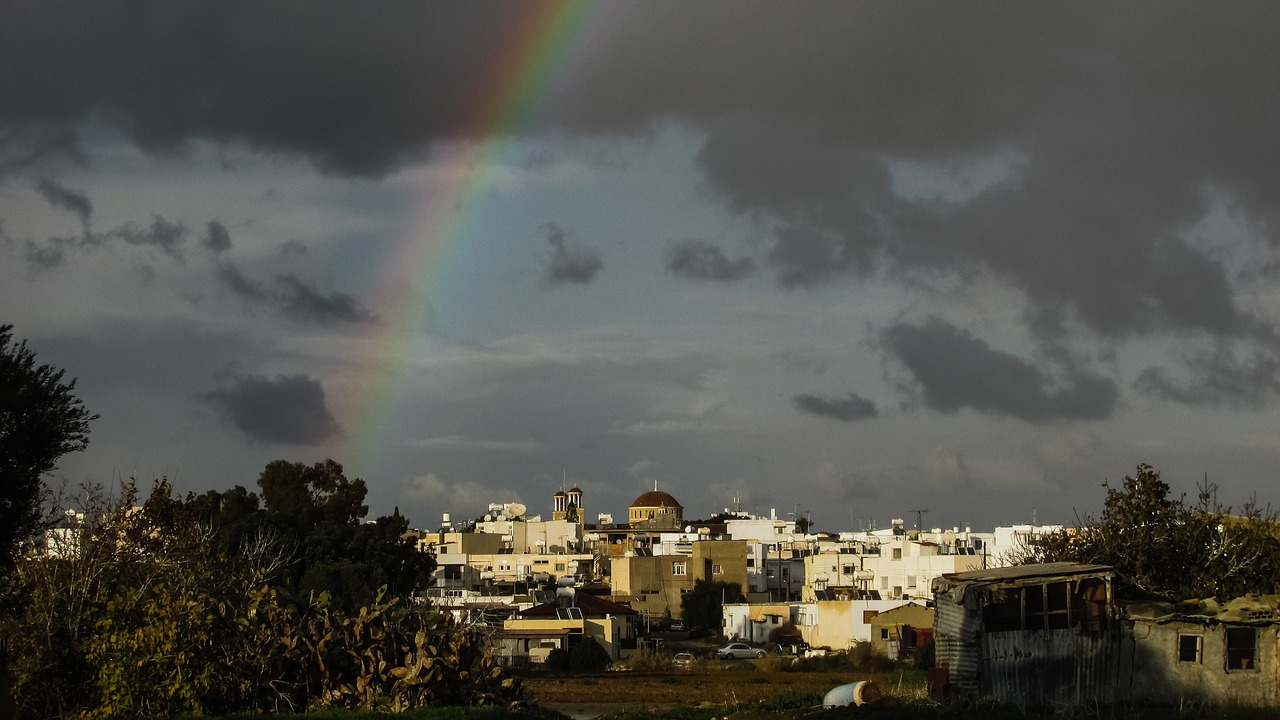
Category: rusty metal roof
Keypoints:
(1027, 572)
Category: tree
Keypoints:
(41, 419)
(588, 657)
(703, 606)
(1162, 547)
(319, 510)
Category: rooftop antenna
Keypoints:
(918, 514)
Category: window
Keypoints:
(1242, 648)
(846, 569)
(678, 568)
(911, 581)
(867, 615)
(560, 567)
(884, 583)
(884, 633)
(717, 570)
(897, 553)
(1189, 648)
(751, 562)
(897, 591)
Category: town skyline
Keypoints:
(848, 259)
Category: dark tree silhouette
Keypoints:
(41, 419)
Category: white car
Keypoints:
(737, 650)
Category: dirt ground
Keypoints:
(690, 687)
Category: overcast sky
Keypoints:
(850, 259)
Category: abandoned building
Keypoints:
(1028, 635)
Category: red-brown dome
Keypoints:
(656, 498)
(575, 490)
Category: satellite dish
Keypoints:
(515, 510)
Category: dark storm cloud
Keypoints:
(955, 370)
(73, 201)
(569, 263)
(294, 298)
(289, 410)
(700, 260)
(1216, 379)
(1122, 126)
(847, 409)
(166, 235)
(237, 282)
(302, 301)
(216, 238)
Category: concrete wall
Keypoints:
(1159, 674)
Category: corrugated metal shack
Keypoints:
(1042, 635)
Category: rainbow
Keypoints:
(544, 43)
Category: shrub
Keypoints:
(790, 700)
(588, 656)
(558, 660)
(867, 657)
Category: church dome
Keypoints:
(656, 498)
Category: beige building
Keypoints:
(654, 584)
(898, 632)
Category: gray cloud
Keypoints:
(847, 409)
(1216, 378)
(569, 264)
(166, 235)
(216, 239)
(700, 260)
(955, 370)
(73, 201)
(237, 282)
(302, 301)
(289, 410)
(294, 298)
(43, 256)
(805, 111)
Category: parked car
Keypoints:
(737, 650)
(682, 660)
(793, 644)
(677, 626)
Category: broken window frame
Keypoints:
(1241, 648)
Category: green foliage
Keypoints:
(316, 511)
(588, 657)
(41, 420)
(386, 657)
(790, 700)
(702, 606)
(558, 660)
(147, 616)
(1163, 547)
